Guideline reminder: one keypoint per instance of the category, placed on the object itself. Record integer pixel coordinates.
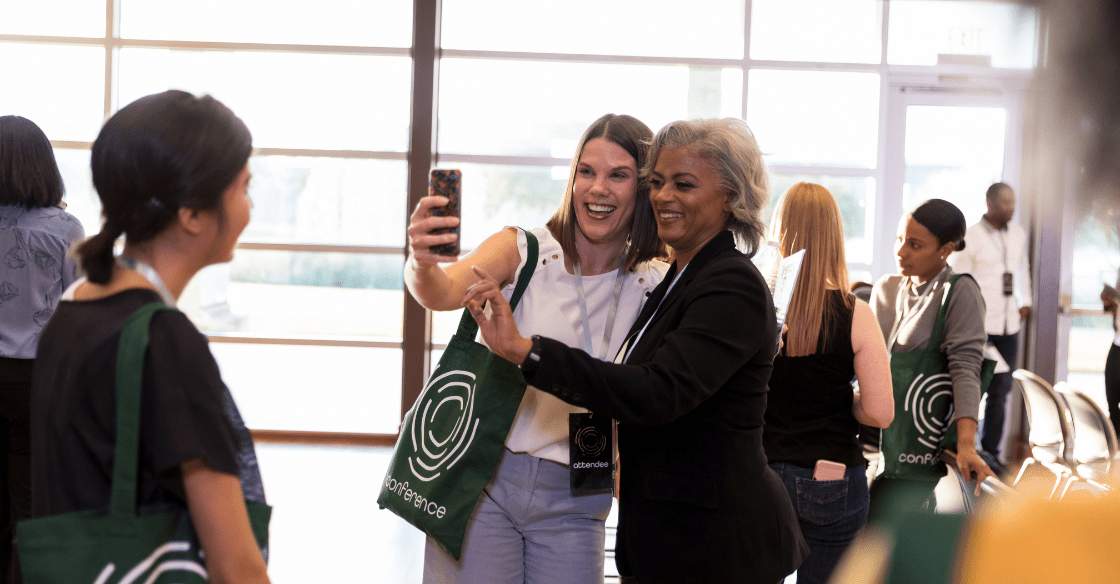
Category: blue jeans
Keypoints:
(527, 528)
(830, 513)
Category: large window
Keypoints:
(311, 306)
(314, 298)
(307, 320)
(308, 323)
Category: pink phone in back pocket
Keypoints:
(827, 470)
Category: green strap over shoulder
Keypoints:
(130, 372)
(468, 328)
(935, 336)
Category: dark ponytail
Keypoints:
(96, 254)
(159, 154)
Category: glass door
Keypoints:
(955, 143)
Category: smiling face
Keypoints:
(604, 193)
(688, 202)
(918, 252)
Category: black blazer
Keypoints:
(697, 501)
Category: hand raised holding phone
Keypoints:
(433, 231)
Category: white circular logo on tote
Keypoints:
(921, 398)
(443, 424)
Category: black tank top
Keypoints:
(809, 408)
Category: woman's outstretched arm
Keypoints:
(439, 288)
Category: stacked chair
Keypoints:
(1090, 457)
(1070, 436)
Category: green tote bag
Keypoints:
(125, 545)
(923, 404)
(451, 439)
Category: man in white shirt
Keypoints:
(996, 256)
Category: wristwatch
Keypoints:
(529, 365)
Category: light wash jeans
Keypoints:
(527, 529)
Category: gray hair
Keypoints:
(734, 153)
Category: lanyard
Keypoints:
(1003, 249)
(149, 273)
(629, 345)
(609, 329)
(909, 314)
(993, 231)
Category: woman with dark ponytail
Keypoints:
(906, 305)
(172, 174)
(35, 237)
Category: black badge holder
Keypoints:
(590, 453)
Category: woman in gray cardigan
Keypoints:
(906, 306)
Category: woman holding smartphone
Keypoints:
(594, 272)
(812, 413)
(172, 174)
(697, 502)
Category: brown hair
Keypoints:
(156, 155)
(808, 218)
(29, 175)
(632, 136)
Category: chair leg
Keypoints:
(1022, 469)
(1065, 488)
(1061, 480)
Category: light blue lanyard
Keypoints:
(906, 315)
(619, 278)
(149, 273)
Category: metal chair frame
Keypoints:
(1092, 430)
(1047, 411)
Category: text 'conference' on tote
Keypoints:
(124, 545)
(452, 437)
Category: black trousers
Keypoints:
(634, 580)
(1112, 385)
(995, 410)
(15, 458)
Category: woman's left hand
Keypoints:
(968, 462)
(498, 328)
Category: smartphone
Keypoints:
(446, 183)
(827, 470)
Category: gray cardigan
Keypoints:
(964, 337)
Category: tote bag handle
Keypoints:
(939, 323)
(468, 328)
(130, 371)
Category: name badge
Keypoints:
(590, 455)
(1008, 284)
